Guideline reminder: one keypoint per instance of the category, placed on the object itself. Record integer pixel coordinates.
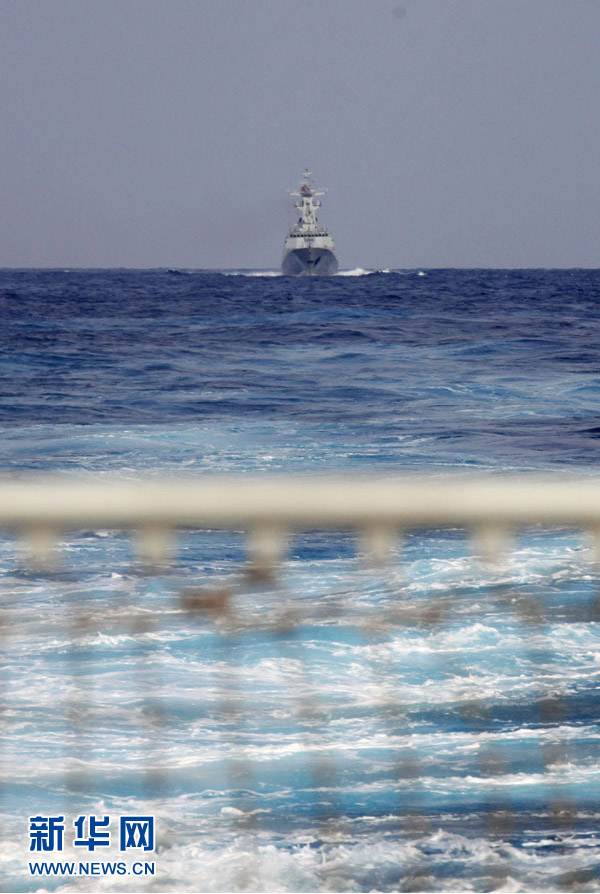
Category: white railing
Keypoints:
(268, 508)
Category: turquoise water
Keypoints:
(429, 726)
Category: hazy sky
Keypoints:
(152, 133)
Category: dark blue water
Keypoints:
(459, 367)
(429, 726)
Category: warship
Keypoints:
(309, 249)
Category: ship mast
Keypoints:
(307, 204)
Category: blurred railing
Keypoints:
(268, 508)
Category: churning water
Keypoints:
(430, 726)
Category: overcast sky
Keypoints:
(152, 133)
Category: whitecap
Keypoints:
(252, 273)
(357, 271)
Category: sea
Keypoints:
(432, 724)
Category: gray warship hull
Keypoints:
(309, 262)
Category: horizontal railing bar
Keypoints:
(299, 502)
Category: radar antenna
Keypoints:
(307, 203)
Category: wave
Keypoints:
(363, 271)
(252, 273)
(356, 271)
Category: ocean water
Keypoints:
(432, 725)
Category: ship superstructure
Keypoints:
(309, 249)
